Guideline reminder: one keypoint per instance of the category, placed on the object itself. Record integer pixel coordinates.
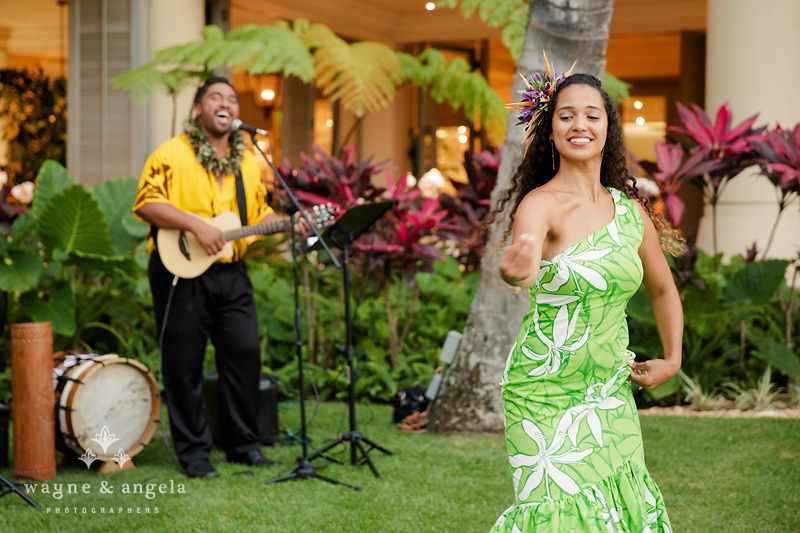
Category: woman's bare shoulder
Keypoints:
(535, 212)
(541, 198)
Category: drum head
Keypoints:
(113, 409)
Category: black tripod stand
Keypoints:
(303, 468)
(342, 235)
(7, 487)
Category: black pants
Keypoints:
(217, 305)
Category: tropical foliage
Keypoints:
(740, 318)
(512, 17)
(710, 154)
(66, 248)
(398, 246)
(717, 152)
(471, 204)
(778, 155)
(441, 304)
(35, 106)
(733, 317)
(460, 86)
(363, 76)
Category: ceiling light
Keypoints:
(430, 6)
(462, 139)
(267, 94)
(442, 134)
(638, 104)
(462, 129)
(640, 121)
(329, 123)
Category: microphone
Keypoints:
(239, 125)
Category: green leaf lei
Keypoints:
(207, 156)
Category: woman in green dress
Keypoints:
(581, 246)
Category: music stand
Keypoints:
(342, 235)
(303, 468)
(8, 486)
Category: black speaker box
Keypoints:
(268, 431)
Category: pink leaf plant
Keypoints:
(779, 158)
(726, 151)
(721, 152)
(471, 204)
(403, 241)
(325, 179)
(670, 173)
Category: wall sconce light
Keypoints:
(266, 90)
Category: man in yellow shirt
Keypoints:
(196, 173)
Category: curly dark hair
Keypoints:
(540, 164)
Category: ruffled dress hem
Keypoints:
(626, 501)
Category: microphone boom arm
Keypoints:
(237, 124)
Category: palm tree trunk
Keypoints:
(470, 400)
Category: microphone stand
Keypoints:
(8, 487)
(303, 468)
(293, 199)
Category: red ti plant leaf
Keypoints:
(338, 181)
(727, 151)
(675, 208)
(779, 159)
(670, 173)
(470, 205)
(404, 241)
(719, 153)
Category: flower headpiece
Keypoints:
(537, 97)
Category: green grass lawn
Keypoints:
(726, 475)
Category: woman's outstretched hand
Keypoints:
(651, 374)
(519, 265)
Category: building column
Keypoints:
(173, 23)
(5, 32)
(751, 63)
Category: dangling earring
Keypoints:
(553, 153)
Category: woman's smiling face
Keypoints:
(580, 123)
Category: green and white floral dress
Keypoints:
(572, 431)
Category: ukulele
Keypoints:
(183, 256)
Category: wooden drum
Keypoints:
(106, 404)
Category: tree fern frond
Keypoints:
(144, 82)
(362, 75)
(618, 90)
(195, 53)
(425, 67)
(234, 53)
(141, 83)
(462, 88)
(468, 7)
(250, 48)
(212, 32)
(177, 53)
(511, 15)
(513, 37)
